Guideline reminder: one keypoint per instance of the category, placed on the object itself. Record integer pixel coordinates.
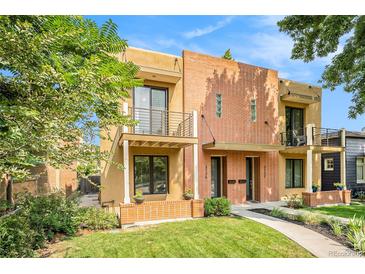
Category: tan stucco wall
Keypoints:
(312, 115)
(111, 175)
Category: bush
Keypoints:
(277, 212)
(293, 201)
(17, 239)
(310, 218)
(5, 206)
(95, 219)
(336, 226)
(217, 207)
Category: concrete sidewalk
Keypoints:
(319, 245)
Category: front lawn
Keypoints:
(345, 211)
(208, 237)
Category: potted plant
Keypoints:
(188, 194)
(339, 186)
(315, 187)
(138, 198)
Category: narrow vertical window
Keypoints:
(253, 110)
(360, 170)
(218, 98)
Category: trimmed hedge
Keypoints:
(217, 207)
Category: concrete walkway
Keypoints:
(317, 244)
(89, 200)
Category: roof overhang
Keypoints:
(315, 149)
(157, 74)
(242, 147)
(143, 140)
(300, 98)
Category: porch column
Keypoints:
(343, 157)
(195, 156)
(127, 199)
(309, 134)
(309, 170)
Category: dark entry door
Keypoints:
(216, 177)
(249, 179)
(294, 119)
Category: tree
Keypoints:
(227, 55)
(319, 36)
(60, 82)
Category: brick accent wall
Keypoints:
(326, 197)
(238, 83)
(160, 210)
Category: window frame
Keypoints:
(218, 113)
(253, 114)
(362, 181)
(150, 157)
(293, 174)
(326, 160)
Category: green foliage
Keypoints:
(60, 82)
(217, 207)
(336, 226)
(17, 238)
(320, 36)
(310, 218)
(361, 195)
(5, 206)
(96, 219)
(277, 212)
(339, 186)
(227, 55)
(356, 233)
(293, 201)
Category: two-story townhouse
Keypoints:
(217, 127)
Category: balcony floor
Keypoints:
(143, 140)
(314, 148)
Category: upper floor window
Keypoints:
(218, 111)
(360, 170)
(328, 164)
(253, 110)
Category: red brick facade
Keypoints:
(238, 84)
(327, 197)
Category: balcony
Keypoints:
(320, 140)
(160, 128)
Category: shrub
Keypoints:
(361, 196)
(96, 218)
(310, 218)
(356, 233)
(277, 212)
(336, 226)
(217, 207)
(17, 239)
(293, 201)
(5, 206)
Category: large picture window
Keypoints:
(294, 173)
(151, 174)
(360, 170)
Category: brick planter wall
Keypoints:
(326, 197)
(160, 210)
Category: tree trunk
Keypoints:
(9, 189)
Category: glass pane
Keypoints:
(159, 114)
(142, 174)
(253, 110)
(142, 109)
(298, 172)
(289, 174)
(160, 174)
(214, 177)
(359, 173)
(218, 98)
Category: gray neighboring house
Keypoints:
(355, 163)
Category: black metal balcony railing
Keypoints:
(326, 137)
(162, 122)
(319, 137)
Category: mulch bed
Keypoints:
(323, 229)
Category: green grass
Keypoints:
(223, 237)
(345, 211)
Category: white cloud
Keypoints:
(268, 21)
(209, 29)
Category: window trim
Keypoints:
(253, 102)
(363, 166)
(151, 173)
(293, 174)
(218, 114)
(325, 163)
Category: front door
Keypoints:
(215, 177)
(294, 122)
(249, 179)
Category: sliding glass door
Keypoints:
(294, 120)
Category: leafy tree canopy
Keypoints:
(227, 55)
(60, 82)
(319, 36)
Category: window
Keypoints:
(218, 98)
(294, 173)
(360, 170)
(151, 174)
(328, 164)
(253, 110)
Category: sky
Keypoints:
(253, 40)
